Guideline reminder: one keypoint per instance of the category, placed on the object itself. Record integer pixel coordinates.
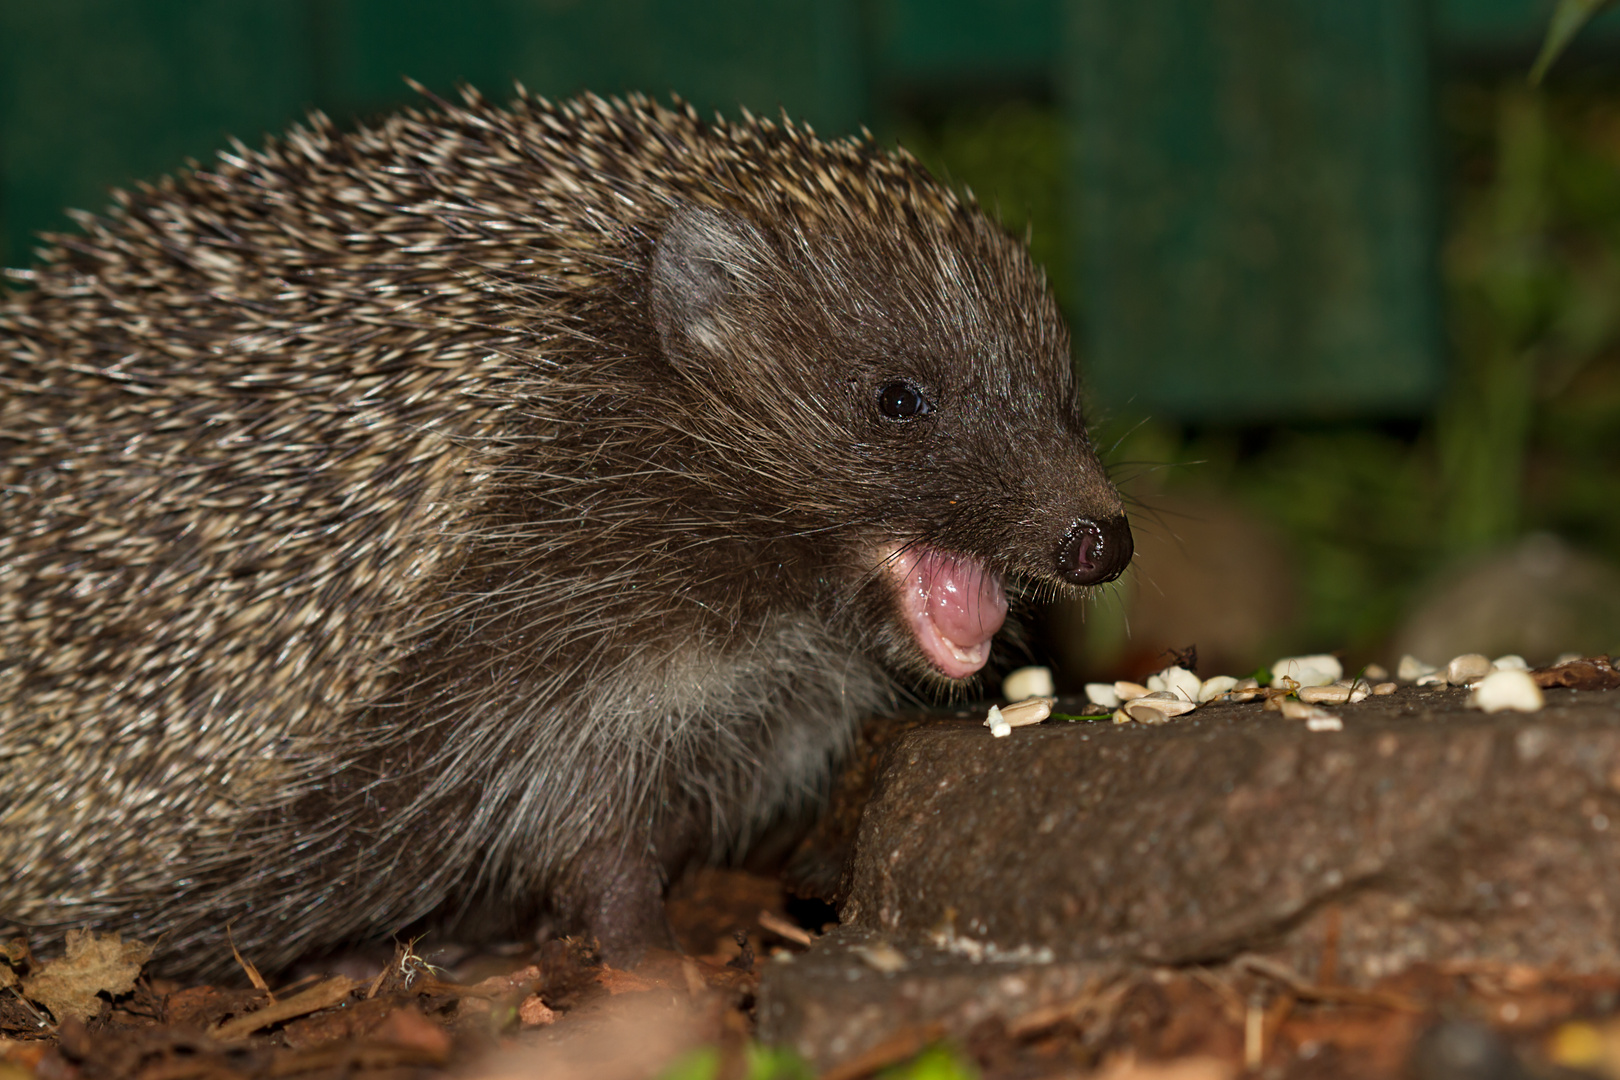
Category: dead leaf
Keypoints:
(94, 964)
(621, 982)
(533, 1012)
(1589, 673)
(14, 959)
(15, 953)
(406, 1026)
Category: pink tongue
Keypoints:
(954, 604)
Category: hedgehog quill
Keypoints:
(480, 517)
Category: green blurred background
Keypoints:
(1346, 290)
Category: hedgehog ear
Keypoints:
(705, 262)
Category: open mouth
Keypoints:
(953, 604)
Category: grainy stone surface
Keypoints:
(1423, 830)
(847, 996)
(1053, 860)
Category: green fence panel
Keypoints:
(957, 40)
(96, 93)
(1252, 195)
(1510, 28)
(100, 93)
(1257, 225)
(802, 55)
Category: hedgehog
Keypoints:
(478, 518)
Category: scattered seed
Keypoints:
(1101, 693)
(1176, 680)
(1245, 690)
(1384, 688)
(1467, 666)
(1299, 710)
(1411, 669)
(1210, 689)
(1027, 682)
(1029, 711)
(881, 956)
(1510, 662)
(1567, 658)
(1375, 673)
(1158, 707)
(1130, 691)
(1508, 689)
(1033, 710)
(1327, 722)
(1318, 670)
(1337, 694)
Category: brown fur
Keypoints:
(470, 517)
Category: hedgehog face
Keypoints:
(909, 398)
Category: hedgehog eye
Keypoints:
(903, 401)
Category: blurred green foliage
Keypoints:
(935, 1063)
(765, 1063)
(1011, 156)
(1527, 436)
(1567, 19)
(759, 1063)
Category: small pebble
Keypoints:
(1130, 691)
(1384, 688)
(1507, 690)
(1510, 662)
(1375, 673)
(1176, 680)
(1101, 693)
(997, 723)
(1027, 682)
(1433, 678)
(1567, 658)
(1328, 722)
(1411, 669)
(1467, 666)
(1213, 688)
(1319, 670)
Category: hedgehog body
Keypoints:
(482, 515)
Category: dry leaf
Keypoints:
(14, 959)
(621, 982)
(95, 963)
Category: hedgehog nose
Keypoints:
(1093, 552)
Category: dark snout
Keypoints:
(1093, 552)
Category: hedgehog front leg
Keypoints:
(614, 888)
